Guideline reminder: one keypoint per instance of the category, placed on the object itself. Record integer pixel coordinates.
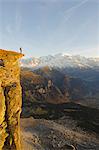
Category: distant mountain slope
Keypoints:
(49, 85)
(40, 87)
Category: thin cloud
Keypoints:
(71, 10)
(76, 6)
(69, 13)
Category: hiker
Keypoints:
(20, 50)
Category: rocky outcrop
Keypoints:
(39, 87)
(10, 100)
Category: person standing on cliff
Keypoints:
(20, 50)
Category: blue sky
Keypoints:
(43, 27)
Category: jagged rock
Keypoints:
(10, 100)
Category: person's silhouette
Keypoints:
(20, 50)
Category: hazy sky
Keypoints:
(43, 27)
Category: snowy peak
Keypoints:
(61, 60)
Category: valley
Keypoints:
(60, 105)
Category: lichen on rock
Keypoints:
(10, 100)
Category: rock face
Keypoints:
(10, 100)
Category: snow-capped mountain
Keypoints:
(61, 61)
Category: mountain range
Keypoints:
(61, 78)
(61, 61)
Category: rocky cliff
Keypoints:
(10, 100)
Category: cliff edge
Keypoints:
(10, 100)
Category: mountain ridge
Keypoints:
(61, 61)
